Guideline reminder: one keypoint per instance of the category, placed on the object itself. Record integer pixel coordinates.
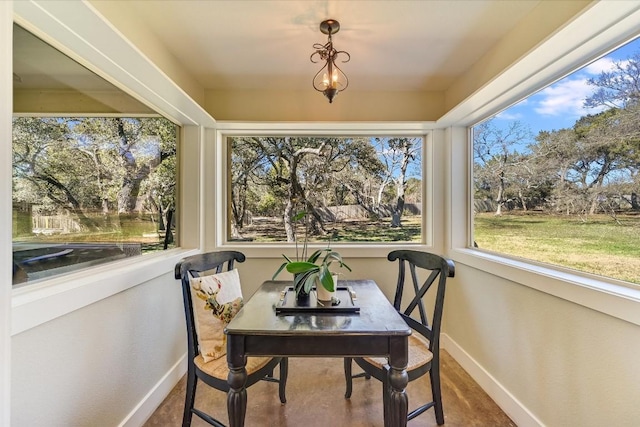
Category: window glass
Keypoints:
(345, 189)
(557, 176)
(90, 187)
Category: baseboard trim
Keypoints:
(505, 400)
(145, 408)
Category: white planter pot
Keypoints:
(323, 294)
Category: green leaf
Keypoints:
(301, 267)
(284, 264)
(337, 257)
(300, 281)
(326, 279)
(314, 256)
(311, 279)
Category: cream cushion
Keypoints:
(216, 299)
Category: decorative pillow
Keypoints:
(216, 299)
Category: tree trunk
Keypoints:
(522, 200)
(71, 202)
(499, 199)
(130, 189)
(288, 226)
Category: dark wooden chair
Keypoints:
(424, 342)
(214, 373)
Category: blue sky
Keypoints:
(561, 104)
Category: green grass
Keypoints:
(123, 229)
(599, 245)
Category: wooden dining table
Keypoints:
(363, 324)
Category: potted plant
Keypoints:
(314, 270)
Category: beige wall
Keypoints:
(566, 364)
(69, 102)
(312, 106)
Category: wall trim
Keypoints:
(6, 104)
(42, 302)
(520, 415)
(154, 398)
(613, 297)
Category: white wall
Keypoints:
(93, 365)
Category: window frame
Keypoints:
(97, 46)
(109, 115)
(601, 29)
(356, 249)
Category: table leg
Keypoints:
(237, 379)
(396, 401)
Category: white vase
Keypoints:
(323, 294)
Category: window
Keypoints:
(557, 175)
(337, 188)
(90, 187)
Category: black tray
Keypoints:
(289, 305)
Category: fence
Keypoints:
(343, 212)
(54, 224)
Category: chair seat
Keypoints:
(419, 354)
(218, 368)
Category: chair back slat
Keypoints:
(419, 294)
(439, 270)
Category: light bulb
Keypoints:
(325, 80)
(334, 79)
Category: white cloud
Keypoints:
(508, 115)
(565, 97)
(597, 67)
(604, 64)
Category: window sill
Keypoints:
(41, 302)
(347, 250)
(615, 298)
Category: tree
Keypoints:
(497, 161)
(247, 157)
(552, 158)
(138, 146)
(619, 90)
(87, 165)
(41, 153)
(303, 172)
(398, 155)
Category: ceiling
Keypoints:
(394, 45)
